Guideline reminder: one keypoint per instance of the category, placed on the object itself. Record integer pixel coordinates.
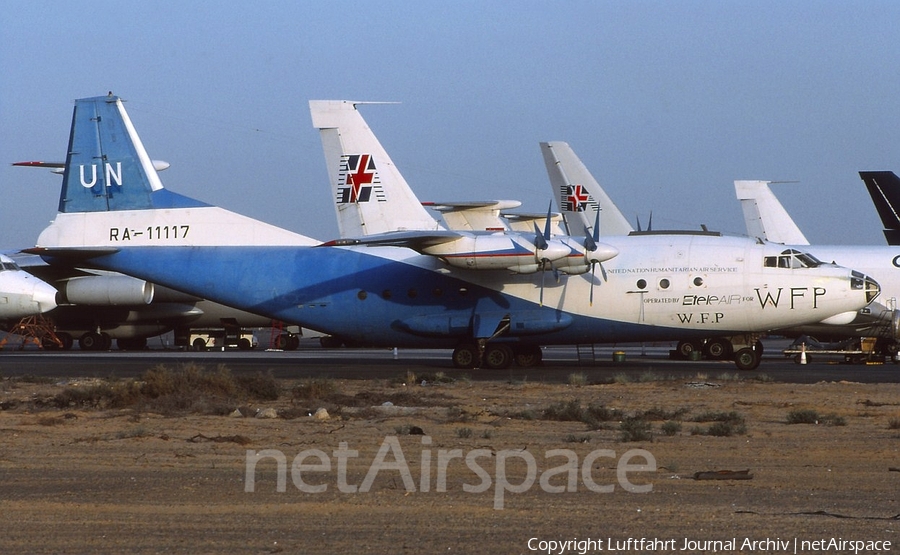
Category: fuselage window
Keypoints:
(362, 295)
(386, 294)
(698, 281)
(412, 293)
(664, 283)
(641, 284)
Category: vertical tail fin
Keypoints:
(884, 188)
(370, 194)
(107, 167)
(578, 193)
(112, 196)
(764, 215)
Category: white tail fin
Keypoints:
(578, 193)
(370, 194)
(764, 215)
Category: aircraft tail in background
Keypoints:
(884, 188)
(579, 195)
(370, 194)
(764, 215)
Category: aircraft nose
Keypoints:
(44, 295)
(862, 282)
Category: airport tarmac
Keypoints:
(559, 362)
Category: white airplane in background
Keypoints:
(381, 294)
(651, 269)
(22, 294)
(765, 217)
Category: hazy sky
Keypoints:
(666, 102)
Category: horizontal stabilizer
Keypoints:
(524, 222)
(74, 254)
(474, 215)
(59, 167)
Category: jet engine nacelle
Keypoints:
(498, 252)
(108, 291)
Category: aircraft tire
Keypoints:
(718, 348)
(199, 344)
(528, 356)
(66, 339)
(498, 357)
(244, 344)
(685, 348)
(293, 342)
(91, 341)
(465, 355)
(747, 359)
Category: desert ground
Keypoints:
(100, 466)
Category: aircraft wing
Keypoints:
(415, 240)
(474, 215)
(764, 215)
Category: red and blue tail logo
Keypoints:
(575, 198)
(358, 180)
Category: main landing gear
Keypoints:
(745, 351)
(496, 356)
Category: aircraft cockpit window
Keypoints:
(808, 260)
(792, 259)
(8, 266)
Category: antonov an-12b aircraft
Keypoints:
(660, 287)
(376, 202)
(346, 138)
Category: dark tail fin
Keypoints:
(884, 188)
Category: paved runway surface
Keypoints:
(559, 363)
